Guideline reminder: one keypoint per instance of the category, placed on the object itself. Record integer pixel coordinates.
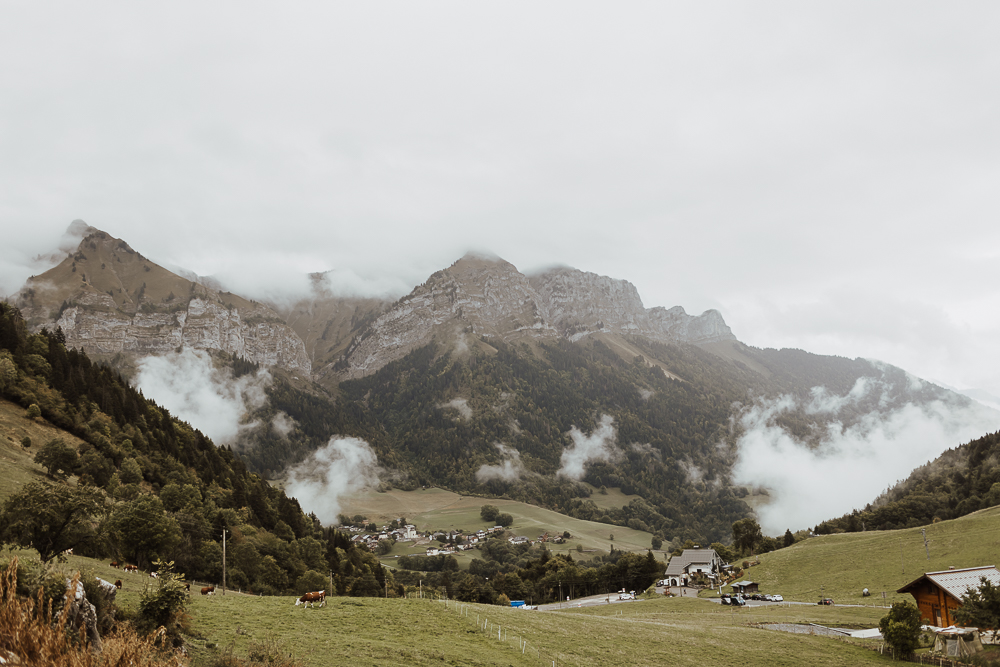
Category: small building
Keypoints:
(957, 642)
(939, 594)
(746, 587)
(691, 562)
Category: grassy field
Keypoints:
(422, 632)
(17, 466)
(840, 566)
(437, 509)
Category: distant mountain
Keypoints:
(484, 380)
(110, 300)
(483, 299)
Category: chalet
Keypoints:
(746, 587)
(692, 562)
(520, 539)
(433, 551)
(409, 532)
(939, 594)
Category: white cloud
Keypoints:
(210, 399)
(509, 470)
(854, 463)
(282, 424)
(460, 405)
(598, 446)
(341, 467)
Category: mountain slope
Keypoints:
(108, 299)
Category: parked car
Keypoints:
(725, 599)
(827, 601)
(738, 601)
(777, 598)
(626, 596)
(768, 598)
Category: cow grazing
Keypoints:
(115, 564)
(154, 575)
(130, 568)
(311, 599)
(118, 584)
(187, 587)
(208, 590)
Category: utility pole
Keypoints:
(223, 561)
(923, 531)
(902, 562)
(560, 591)
(421, 589)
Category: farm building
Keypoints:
(745, 587)
(939, 594)
(690, 563)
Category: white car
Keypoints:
(777, 598)
(626, 596)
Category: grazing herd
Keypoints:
(308, 600)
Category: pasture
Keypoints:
(423, 632)
(840, 566)
(17, 465)
(437, 509)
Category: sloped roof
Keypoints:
(956, 582)
(688, 556)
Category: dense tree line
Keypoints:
(532, 573)
(150, 487)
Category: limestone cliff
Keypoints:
(109, 299)
(490, 298)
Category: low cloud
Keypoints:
(188, 385)
(855, 460)
(282, 424)
(340, 468)
(461, 405)
(598, 446)
(509, 470)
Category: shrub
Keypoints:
(901, 628)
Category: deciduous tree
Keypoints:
(52, 519)
(901, 628)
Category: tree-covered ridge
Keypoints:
(447, 415)
(960, 481)
(150, 486)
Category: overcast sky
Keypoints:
(825, 174)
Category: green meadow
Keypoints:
(840, 566)
(437, 509)
(422, 632)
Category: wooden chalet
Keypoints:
(939, 594)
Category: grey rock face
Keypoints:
(202, 325)
(479, 295)
(491, 298)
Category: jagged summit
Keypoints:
(110, 299)
(488, 297)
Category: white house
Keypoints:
(692, 562)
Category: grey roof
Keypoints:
(688, 556)
(957, 582)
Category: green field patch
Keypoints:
(437, 509)
(840, 566)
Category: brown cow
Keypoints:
(118, 584)
(130, 568)
(208, 590)
(311, 599)
(115, 564)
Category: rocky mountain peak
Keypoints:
(109, 299)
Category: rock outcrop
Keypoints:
(490, 298)
(108, 299)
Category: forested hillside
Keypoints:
(959, 482)
(145, 485)
(507, 420)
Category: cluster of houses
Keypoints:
(362, 536)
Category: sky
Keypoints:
(824, 174)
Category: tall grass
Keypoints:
(37, 635)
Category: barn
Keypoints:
(939, 594)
